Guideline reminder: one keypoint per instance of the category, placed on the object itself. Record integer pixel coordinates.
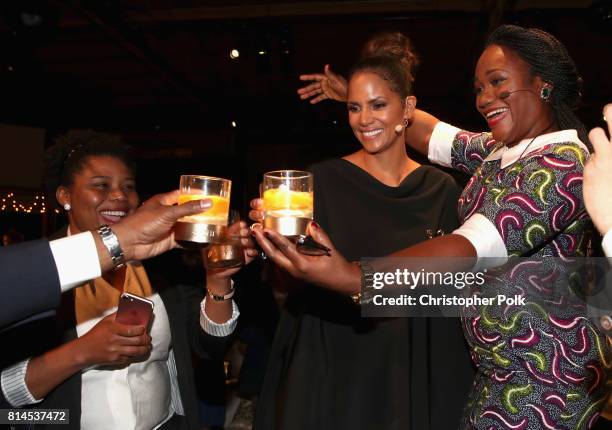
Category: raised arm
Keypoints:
(326, 85)
(419, 131)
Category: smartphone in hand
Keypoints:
(134, 310)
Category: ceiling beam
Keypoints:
(332, 8)
(138, 49)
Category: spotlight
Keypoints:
(234, 124)
(262, 52)
(285, 42)
(234, 54)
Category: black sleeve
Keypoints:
(449, 219)
(320, 209)
(29, 281)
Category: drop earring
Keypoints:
(545, 93)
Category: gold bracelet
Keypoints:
(224, 297)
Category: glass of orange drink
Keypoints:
(208, 226)
(288, 201)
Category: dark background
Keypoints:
(159, 73)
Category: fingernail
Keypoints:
(314, 224)
(205, 203)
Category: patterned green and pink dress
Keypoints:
(542, 365)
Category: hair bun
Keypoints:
(394, 44)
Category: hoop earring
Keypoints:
(405, 122)
(67, 207)
(545, 93)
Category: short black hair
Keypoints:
(69, 153)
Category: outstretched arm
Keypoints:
(334, 272)
(598, 177)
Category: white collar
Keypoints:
(511, 155)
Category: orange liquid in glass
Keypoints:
(216, 215)
(286, 203)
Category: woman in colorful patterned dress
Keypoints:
(539, 366)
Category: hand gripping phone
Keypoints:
(134, 310)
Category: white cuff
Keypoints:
(14, 386)
(76, 259)
(606, 244)
(219, 329)
(482, 234)
(440, 144)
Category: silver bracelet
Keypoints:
(110, 241)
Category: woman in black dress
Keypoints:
(329, 368)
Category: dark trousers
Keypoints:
(177, 422)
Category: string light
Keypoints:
(26, 203)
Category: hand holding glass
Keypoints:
(229, 252)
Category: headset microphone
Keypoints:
(506, 94)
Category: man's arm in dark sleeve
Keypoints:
(29, 282)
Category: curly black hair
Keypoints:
(69, 153)
(549, 60)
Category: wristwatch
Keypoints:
(111, 242)
(366, 294)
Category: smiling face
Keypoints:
(102, 192)
(508, 96)
(375, 110)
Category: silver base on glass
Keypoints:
(287, 226)
(198, 234)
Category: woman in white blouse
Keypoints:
(107, 374)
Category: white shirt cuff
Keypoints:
(482, 234)
(14, 386)
(441, 142)
(219, 329)
(606, 244)
(76, 258)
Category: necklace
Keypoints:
(522, 153)
(515, 161)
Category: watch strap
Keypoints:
(111, 243)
